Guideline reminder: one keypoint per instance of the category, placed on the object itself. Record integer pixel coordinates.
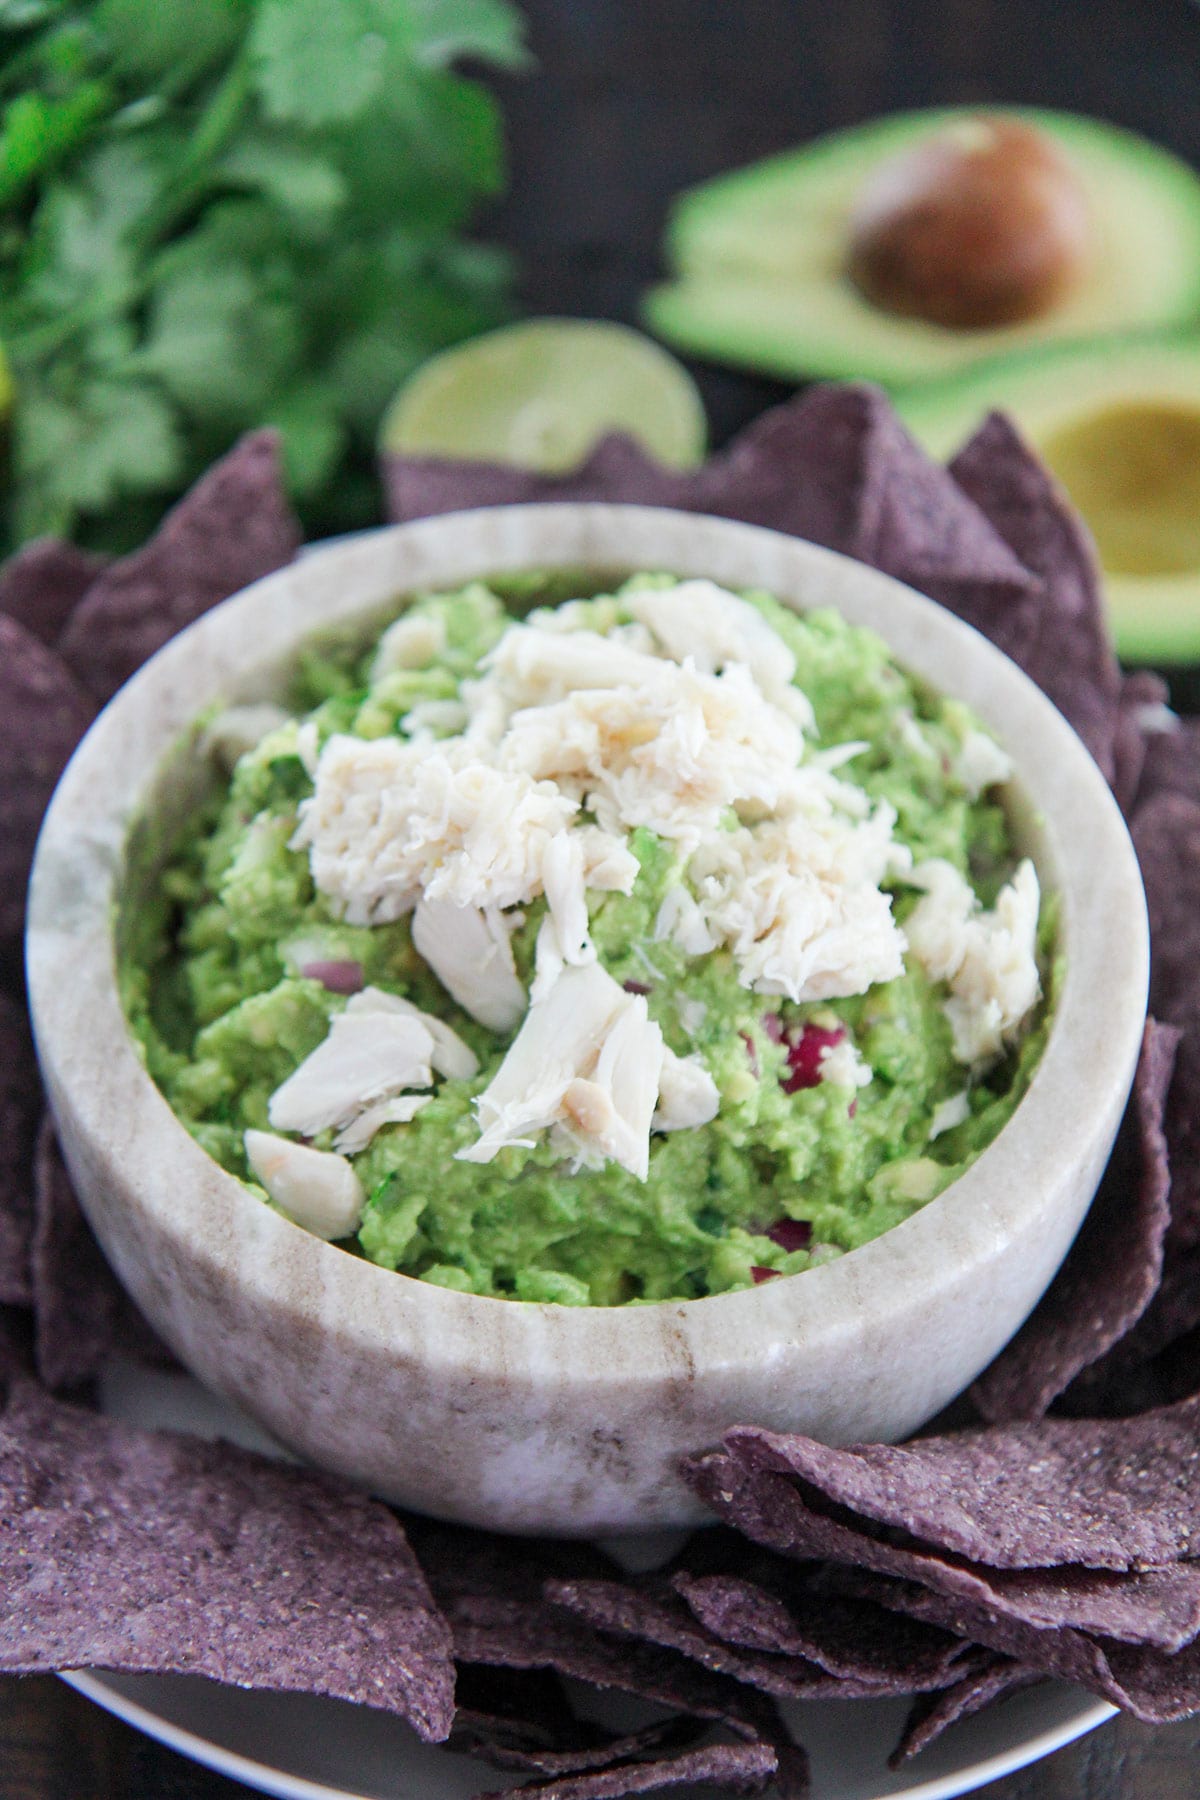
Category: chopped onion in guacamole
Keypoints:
(643, 948)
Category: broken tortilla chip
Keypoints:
(935, 1713)
(232, 527)
(1105, 1494)
(42, 583)
(81, 1312)
(1070, 657)
(43, 714)
(20, 1105)
(1113, 1269)
(156, 1541)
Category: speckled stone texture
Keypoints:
(541, 1418)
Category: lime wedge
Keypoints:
(539, 395)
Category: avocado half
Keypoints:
(759, 256)
(1119, 425)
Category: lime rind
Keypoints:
(540, 394)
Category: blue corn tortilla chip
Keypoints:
(1104, 1494)
(617, 469)
(491, 1592)
(20, 1106)
(1166, 833)
(1071, 657)
(43, 714)
(1155, 1687)
(1155, 1607)
(522, 1719)
(1113, 1269)
(744, 1768)
(1170, 761)
(1166, 836)
(149, 1552)
(834, 466)
(1143, 715)
(851, 1639)
(42, 583)
(81, 1312)
(858, 483)
(233, 526)
(652, 1614)
(935, 1713)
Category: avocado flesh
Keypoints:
(1119, 425)
(759, 257)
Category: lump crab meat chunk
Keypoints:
(988, 959)
(687, 1094)
(315, 1188)
(449, 1055)
(715, 628)
(469, 950)
(587, 1066)
(401, 1110)
(376, 1048)
(364, 1058)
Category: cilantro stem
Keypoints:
(216, 125)
(223, 114)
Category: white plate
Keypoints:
(311, 1749)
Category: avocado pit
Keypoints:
(1133, 470)
(983, 224)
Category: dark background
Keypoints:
(632, 100)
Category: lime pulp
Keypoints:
(541, 393)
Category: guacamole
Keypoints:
(650, 947)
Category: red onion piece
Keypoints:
(338, 977)
(804, 1055)
(790, 1234)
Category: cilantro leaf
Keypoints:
(303, 183)
(83, 233)
(317, 63)
(19, 15)
(231, 213)
(322, 64)
(489, 30)
(311, 420)
(222, 333)
(78, 451)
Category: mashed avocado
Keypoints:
(833, 1103)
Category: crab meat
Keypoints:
(315, 1188)
(585, 1066)
(469, 950)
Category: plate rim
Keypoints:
(95, 1686)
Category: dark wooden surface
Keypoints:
(633, 100)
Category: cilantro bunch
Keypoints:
(217, 214)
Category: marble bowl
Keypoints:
(530, 1417)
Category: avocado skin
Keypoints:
(758, 257)
(1118, 422)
